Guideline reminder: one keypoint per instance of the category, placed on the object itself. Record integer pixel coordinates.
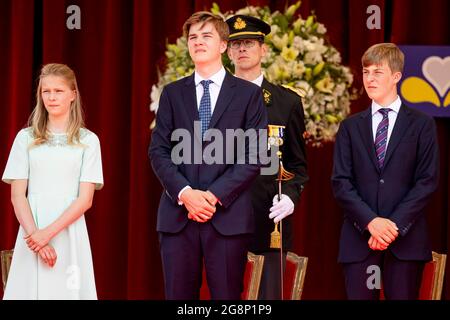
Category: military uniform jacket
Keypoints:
(284, 108)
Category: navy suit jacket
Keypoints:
(399, 191)
(239, 105)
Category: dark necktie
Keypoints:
(204, 111)
(381, 137)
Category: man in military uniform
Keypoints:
(284, 107)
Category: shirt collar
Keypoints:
(216, 78)
(394, 106)
(258, 81)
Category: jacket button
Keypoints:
(381, 181)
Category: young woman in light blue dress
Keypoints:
(54, 167)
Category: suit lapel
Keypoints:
(401, 124)
(365, 129)
(225, 96)
(190, 99)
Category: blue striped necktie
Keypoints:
(381, 137)
(204, 111)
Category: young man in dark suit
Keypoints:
(284, 107)
(205, 216)
(385, 169)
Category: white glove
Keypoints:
(281, 209)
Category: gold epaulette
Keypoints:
(297, 91)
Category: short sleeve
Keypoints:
(17, 166)
(91, 168)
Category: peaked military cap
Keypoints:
(246, 27)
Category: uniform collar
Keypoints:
(258, 81)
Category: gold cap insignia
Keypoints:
(239, 24)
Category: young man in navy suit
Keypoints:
(205, 216)
(385, 169)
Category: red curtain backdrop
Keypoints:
(115, 55)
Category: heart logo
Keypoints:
(437, 71)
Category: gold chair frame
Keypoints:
(255, 278)
(300, 273)
(438, 280)
(5, 257)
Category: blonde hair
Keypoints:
(39, 117)
(204, 16)
(388, 52)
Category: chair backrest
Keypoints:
(252, 279)
(433, 278)
(5, 257)
(252, 276)
(294, 276)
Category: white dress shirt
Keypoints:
(377, 117)
(214, 88)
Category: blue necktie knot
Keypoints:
(205, 84)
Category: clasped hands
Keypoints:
(383, 232)
(38, 241)
(201, 205)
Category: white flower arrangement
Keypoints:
(298, 57)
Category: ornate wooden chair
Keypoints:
(432, 278)
(294, 276)
(252, 279)
(5, 257)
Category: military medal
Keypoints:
(275, 136)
